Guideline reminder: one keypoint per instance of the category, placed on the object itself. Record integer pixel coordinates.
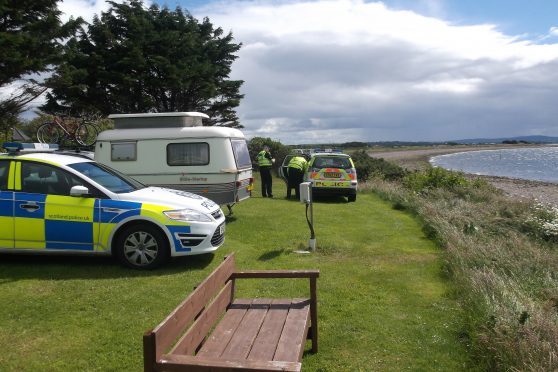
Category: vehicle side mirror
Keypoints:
(79, 191)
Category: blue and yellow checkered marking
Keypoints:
(22, 199)
(179, 229)
(6, 220)
(68, 223)
(6, 203)
(115, 211)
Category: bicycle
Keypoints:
(56, 131)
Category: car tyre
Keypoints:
(351, 198)
(142, 246)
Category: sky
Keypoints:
(332, 71)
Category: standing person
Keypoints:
(295, 172)
(265, 161)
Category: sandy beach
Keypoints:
(542, 192)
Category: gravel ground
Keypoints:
(542, 192)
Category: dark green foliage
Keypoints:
(434, 178)
(31, 40)
(133, 59)
(30, 37)
(368, 167)
(277, 149)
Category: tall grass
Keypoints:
(501, 256)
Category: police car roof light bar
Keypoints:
(328, 150)
(17, 147)
(12, 147)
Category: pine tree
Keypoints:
(31, 39)
(132, 59)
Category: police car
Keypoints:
(52, 202)
(332, 173)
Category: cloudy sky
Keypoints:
(354, 70)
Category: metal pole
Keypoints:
(312, 241)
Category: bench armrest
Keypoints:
(275, 274)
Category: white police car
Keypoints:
(51, 202)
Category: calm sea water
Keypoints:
(539, 164)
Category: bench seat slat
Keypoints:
(182, 363)
(293, 338)
(220, 337)
(243, 339)
(266, 342)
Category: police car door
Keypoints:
(6, 205)
(46, 216)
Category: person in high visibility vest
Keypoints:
(295, 174)
(265, 162)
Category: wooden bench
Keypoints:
(212, 331)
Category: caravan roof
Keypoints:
(158, 120)
(158, 115)
(168, 133)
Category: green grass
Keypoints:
(383, 302)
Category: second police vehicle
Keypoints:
(52, 202)
(331, 172)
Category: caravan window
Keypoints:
(123, 151)
(188, 153)
(241, 154)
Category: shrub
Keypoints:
(434, 178)
(368, 167)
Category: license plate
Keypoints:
(332, 175)
(222, 229)
(332, 184)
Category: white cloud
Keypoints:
(343, 70)
(356, 70)
(451, 86)
(86, 9)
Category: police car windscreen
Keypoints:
(332, 162)
(107, 177)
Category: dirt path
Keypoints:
(542, 192)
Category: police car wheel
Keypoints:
(351, 198)
(142, 247)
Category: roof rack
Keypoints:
(158, 120)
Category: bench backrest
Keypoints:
(194, 317)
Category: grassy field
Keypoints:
(383, 301)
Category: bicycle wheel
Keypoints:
(48, 133)
(86, 134)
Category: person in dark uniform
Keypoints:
(295, 174)
(265, 161)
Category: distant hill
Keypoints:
(530, 139)
(471, 141)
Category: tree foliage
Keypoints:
(136, 59)
(31, 40)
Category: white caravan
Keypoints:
(174, 150)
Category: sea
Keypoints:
(538, 164)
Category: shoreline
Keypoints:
(535, 191)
